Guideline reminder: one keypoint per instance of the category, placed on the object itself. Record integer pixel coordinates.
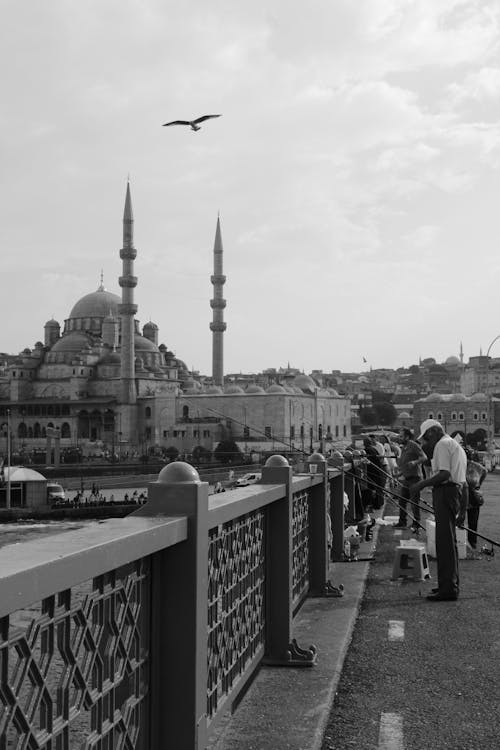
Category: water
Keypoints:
(29, 530)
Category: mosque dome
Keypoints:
(452, 361)
(363, 379)
(305, 383)
(433, 397)
(255, 389)
(150, 326)
(214, 390)
(232, 390)
(479, 397)
(97, 304)
(144, 345)
(275, 389)
(52, 324)
(71, 342)
(404, 415)
(459, 397)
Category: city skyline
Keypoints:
(355, 168)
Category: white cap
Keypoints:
(426, 425)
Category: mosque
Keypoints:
(100, 381)
(101, 384)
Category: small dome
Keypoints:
(144, 345)
(52, 324)
(452, 361)
(479, 397)
(404, 415)
(305, 383)
(214, 390)
(459, 397)
(275, 388)
(233, 390)
(363, 379)
(150, 326)
(333, 392)
(255, 389)
(433, 397)
(71, 342)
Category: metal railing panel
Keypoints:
(225, 506)
(300, 546)
(74, 666)
(236, 604)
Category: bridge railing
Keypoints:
(142, 632)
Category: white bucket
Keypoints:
(430, 530)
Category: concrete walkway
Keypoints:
(288, 708)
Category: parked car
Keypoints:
(247, 479)
(55, 493)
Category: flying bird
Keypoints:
(193, 124)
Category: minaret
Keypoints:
(218, 303)
(127, 309)
(461, 354)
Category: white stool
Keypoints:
(411, 562)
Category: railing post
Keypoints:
(318, 527)
(349, 486)
(279, 568)
(179, 614)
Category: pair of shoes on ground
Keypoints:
(439, 596)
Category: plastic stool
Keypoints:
(411, 562)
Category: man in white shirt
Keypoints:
(449, 464)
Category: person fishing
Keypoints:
(449, 464)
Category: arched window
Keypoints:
(484, 416)
(430, 415)
(30, 432)
(453, 416)
(475, 416)
(461, 416)
(185, 412)
(65, 430)
(22, 430)
(148, 412)
(36, 430)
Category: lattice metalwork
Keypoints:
(236, 597)
(74, 668)
(300, 545)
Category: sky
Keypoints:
(355, 167)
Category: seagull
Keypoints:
(193, 124)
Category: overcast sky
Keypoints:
(355, 168)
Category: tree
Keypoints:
(227, 452)
(386, 413)
(368, 416)
(201, 454)
(171, 453)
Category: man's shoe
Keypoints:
(437, 597)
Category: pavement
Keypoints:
(287, 708)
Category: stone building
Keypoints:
(455, 411)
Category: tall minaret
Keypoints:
(128, 309)
(218, 303)
(461, 354)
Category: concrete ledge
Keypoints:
(287, 708)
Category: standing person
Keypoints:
(449, 464)
(475, 476)
(409, 462)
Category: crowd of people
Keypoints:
(96, 497)
(404, 466)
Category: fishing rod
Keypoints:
(429, 509)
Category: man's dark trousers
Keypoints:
(408, 482)
(446, 502)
